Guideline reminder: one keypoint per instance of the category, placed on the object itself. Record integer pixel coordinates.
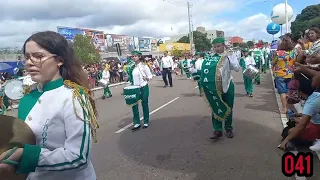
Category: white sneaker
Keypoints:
(316, 146)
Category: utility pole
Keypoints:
(190, 29)
(286, 13)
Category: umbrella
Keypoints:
(4, 66)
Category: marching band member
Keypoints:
(186, 66)
(106, 79)
(60, 112)
(258, 57)
(140, 76)
(245, 62)
(198, 65)
(218, 87)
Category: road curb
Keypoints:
(284, 118)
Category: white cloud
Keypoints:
(152, 18)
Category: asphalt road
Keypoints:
(177, 144)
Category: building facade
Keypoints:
(211, 34)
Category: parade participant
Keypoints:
(246, 61)
(60, 112)
(266, 55)
(181, 65)
(198, 65)
(105, 80)
(166, 67)
(186, 66)
(258, 57)
(140, 74)
(218, 87)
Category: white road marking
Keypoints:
(152, 112)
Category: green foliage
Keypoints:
(310, 16)
(200, 40)
(85, 50)
(250, 43)
(176, 52)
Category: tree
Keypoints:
(201, 42)
(176, 52)
(310, 16)
(250, 43)
(85, 50)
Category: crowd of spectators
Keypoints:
(297, 79)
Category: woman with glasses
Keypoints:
(60, 112)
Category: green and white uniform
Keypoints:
(106, 77)
(198, 65)
(187, 65)
(138, 72)
(218, 87)
(63, 134)
(244, 63)
(259, 59)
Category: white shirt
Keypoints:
(166, 62)
(106, 75)
(120, 68)
(249, 61)
(60, 133)
(198, 64)
(140, 71)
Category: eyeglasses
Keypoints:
(38, 58)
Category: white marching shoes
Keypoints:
(316, 146)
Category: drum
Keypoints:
(196, 76)
(251, 72)
(104, 82)
(14, 133)
(13, 89)
(132, 94)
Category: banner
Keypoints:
(172, 46)
(145, 44)
(126, 43)
(97, 37)
(154, 46)
(70, 33)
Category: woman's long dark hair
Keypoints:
(71, 68)
(286, 44)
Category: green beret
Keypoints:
(136, 53)
(245, 50)
(218, 40)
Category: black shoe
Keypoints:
(103, 97)
(171, 85)
(136, 128)
(229, 134)
(216, 135)
(165, 86)
(145, 127)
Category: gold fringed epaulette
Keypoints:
(90, 117)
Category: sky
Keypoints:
(142, 18)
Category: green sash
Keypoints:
(130, 68)
(211, 79)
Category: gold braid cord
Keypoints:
(89, 115)
(220, 90)
(2, 106)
